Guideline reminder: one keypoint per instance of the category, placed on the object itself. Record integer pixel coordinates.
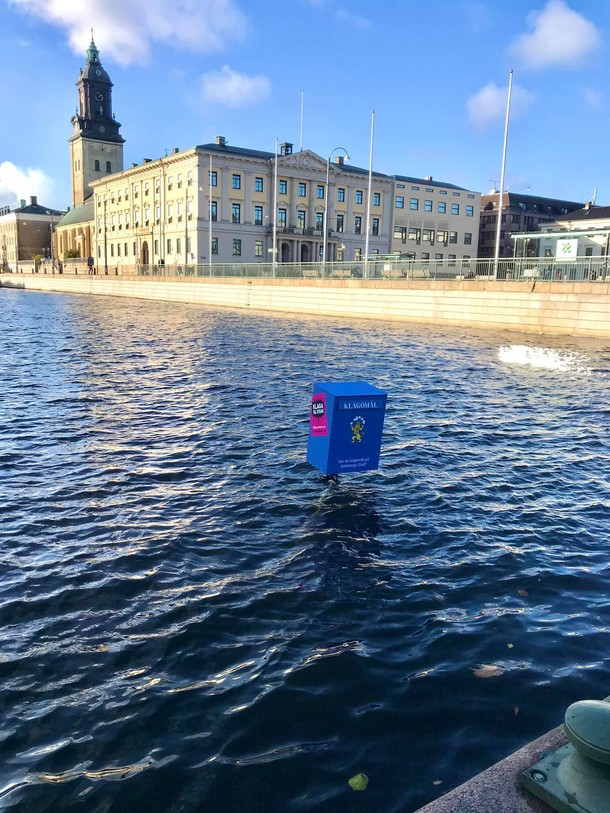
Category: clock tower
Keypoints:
(96, 146)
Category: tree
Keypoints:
(71, 253)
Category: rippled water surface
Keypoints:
(192, 620)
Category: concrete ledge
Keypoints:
(497, 790)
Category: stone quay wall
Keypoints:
(578, 308)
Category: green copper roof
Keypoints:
(80, 214)
(93, 55)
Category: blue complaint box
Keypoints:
(345, 427)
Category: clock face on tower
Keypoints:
(99, 97)
(98, 72)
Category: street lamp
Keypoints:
(324, 256)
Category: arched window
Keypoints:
(108, 166)
(97, 166)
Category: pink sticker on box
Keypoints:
(319, 420)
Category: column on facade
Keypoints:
(226, 203)
(294, 185)
(248, 214)
(297, 250)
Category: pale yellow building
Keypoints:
(25, 233)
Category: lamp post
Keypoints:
(324, 255)
(501, 198)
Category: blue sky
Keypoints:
(435, 71)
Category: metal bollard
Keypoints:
(577, 777)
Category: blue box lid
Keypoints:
(350, 388)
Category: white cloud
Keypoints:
(557, 36)
(128, 30)
(593, 98)
(17, 183)
(352, 19)
(488, 105)
(234, 89)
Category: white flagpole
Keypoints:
(368, 202)
(501, 198)
(275, 211)
(302, 102)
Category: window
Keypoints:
(189, 179)
(376, 198)
(99, 251)
(179, 210)
(469, 211)
(302, 190)
(471, 196)
(120, 221)
(300, 220)
(357, 225)
(375, 225)
(467, 238)
(339, 222)
(400, 202)
(415, 234)
(179, 245)
(189, 207)
(455, 208)
(400, 233)
(112, 197)
(456, 194)
(442, 192)
(442, 207)
(146, 189)
(169, 182)
(358, 254)
(146, 215)
(340, 254)
(180, 181)
(414, 203)
(358, 196)
(452, 256)
(169, 245)
(236, 212)
(441, 236)
(258, 248)
(156, 246)
(135, 250)
(214, 245)
(236, 248)
(400, 185)
(213, 178)
(429, 190)
(136, 216)
(281, 217)
(319, 220)
(320, 192)
(341, 195)
(427, 206)
(428, 235)
(118, 250)
(97, 166)
(136, 191)
(236, 182)
(283, 190)
(425, 255)
(112, 250)
(438, 256)
(170, 212)
(99, 224)
(214, 211)
(108, 166)
(453, 237)
(415, 188)
(258, 215)
(258, 184)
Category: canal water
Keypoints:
(192, 620)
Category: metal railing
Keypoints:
(536, 269)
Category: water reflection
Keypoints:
(546, 358)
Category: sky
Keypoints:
(435, 72)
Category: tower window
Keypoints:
(97, 166)
(108, 168)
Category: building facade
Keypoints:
(520, 213)
(434, 220)
(25, 233)
(219, 203)
(583, 233)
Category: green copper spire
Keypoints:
(93, 55)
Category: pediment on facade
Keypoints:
(302, 160)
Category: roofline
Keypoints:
(534, 198)
(549, 235)
(165, 159)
